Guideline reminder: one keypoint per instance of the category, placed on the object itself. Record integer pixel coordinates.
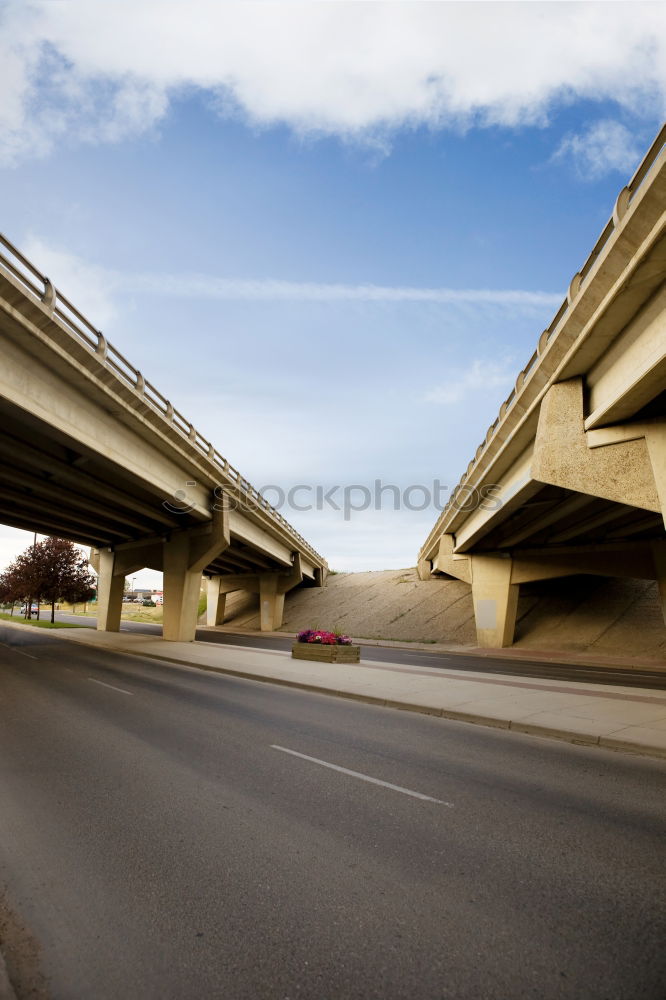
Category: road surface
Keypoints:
(171, 833)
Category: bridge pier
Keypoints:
(271, 588)
(110, 589)
(495, 600)
(182, 587)
(271, 602)
(216, 602)
(184, 557)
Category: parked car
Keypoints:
(33, 609)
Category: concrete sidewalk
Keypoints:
(567, 657)
(619, 718)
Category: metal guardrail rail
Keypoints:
(81, 330)
(621, 205)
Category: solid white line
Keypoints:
(363, 777)
(15, 649)
(122, 690)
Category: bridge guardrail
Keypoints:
(73, 322)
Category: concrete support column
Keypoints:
(216, 602)
(655, 438)
(182, 586)
(184, 557)
(109, 592)
(271, 602)
(495, 600)
(424, 569)
(659, 555)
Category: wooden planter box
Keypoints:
(326, 654)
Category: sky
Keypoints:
(331, 233)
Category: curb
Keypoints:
(529, 729)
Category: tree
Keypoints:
(20, 580)
(52, 570)
(9, 590)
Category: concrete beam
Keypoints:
(255, 536)
(556, 512)
(630, 560)
(612, 513)
(31, 385)
(633, 369)
(622, 473)
(446, 561)
(512, 490)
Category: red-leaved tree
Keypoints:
(50, 571)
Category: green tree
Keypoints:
(52, 570)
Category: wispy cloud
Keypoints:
(73, 72)
(94, 290)
(604, 147)
(212, 287)
(479, 376)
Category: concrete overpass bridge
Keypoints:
(91, 451)
(571, 476)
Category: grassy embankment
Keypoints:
(133, 612)
(18, 619)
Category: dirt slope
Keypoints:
(577, 613)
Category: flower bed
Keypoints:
(325, 647)
(321, 636)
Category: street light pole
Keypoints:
(34, 549)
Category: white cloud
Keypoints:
(99, 71)
(480, 376)
(212, 287)
(605, 146)
(94, 290)
(89, 288)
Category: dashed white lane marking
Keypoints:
(15, 649)
(113, 688)
(363, 777)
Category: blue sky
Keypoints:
(331, 233)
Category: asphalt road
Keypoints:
(171, 833)
(629, 677)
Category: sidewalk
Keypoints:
(573, 657)
(619, 718)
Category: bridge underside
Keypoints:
(576, 502)
(571, 476)
(52, 484)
